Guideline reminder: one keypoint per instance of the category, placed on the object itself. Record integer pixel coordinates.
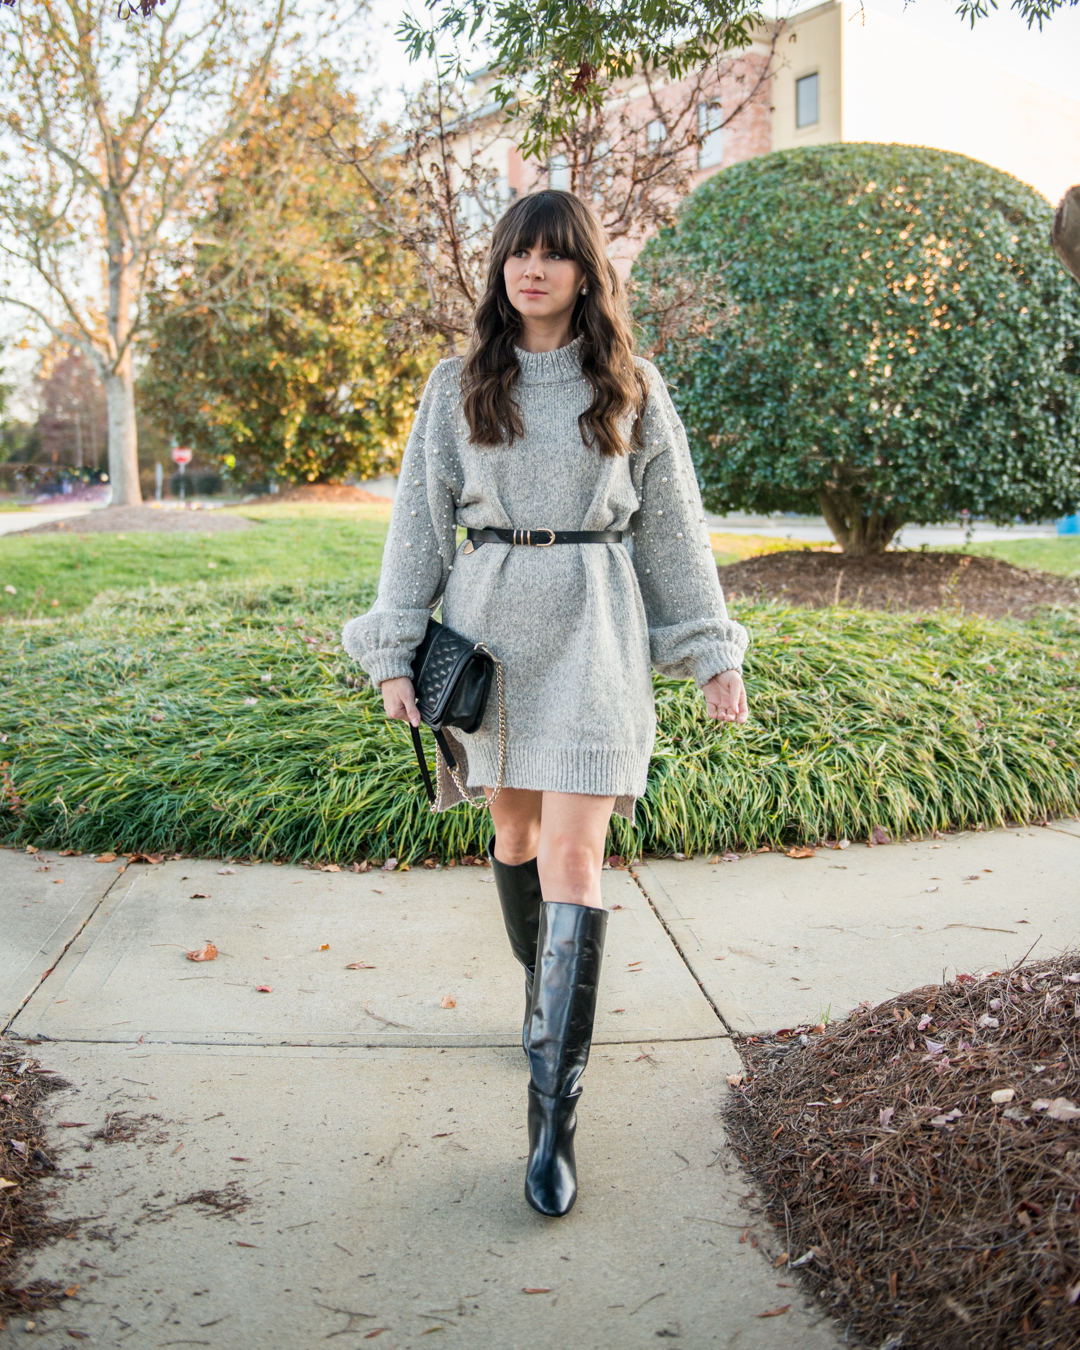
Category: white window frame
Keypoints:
(814, 121)
(710, 129)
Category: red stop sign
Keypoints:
(181, 454)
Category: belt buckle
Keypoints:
(549, 543)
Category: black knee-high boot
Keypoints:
(518, 885)
(559, 1035)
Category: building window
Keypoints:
(806, 101)
(711, 130)
(655, 132)
(559, 173)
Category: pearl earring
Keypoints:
(584, 290)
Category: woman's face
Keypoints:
(542, 284)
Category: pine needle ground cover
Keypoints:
(226, 720)
(920, 1161)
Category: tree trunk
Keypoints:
(859, 533)
(123, 435)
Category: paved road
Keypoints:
(341, 1158)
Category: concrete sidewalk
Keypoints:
(343, 1157)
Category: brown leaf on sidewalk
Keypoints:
(105, 857)
(775, 1312)
(207, 952)
(803, 851)
(448, 1001)
(534, 1289)
(324, 946)
(879, 835)
(359, 965)
(72, 1290)
(264, 989)
(200, 895)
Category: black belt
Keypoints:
(544, 538)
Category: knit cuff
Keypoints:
(385, 665)
(716, 662)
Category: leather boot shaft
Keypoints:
(518, 885)
(568, 960)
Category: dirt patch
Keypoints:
(327, 492)
(916, 1207)
(898, 581)
(123, 1128)
(25, 1162)
(130, 519)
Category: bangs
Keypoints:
(544, 219)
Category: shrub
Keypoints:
(902, 345)
(227, 720)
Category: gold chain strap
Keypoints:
(483, 805)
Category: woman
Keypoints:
(587, 561)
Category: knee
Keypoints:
(517, 843)
(575, 858)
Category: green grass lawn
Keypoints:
(286, 545)
(1060, 555)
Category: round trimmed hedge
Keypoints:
(902, 343)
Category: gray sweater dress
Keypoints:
(576, 626)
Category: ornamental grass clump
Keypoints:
(900, 343)
(921, 1160)
(228, 720)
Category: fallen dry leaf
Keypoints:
(4, 1183)
(1063, 1109)
(207, 952)
(801, 852)
(389, 865)
(324, 946)
(359, 965)
(531, 1289)
(448, 1001)
(72, 1290)
(264, 989)
(199, 895)
(239, 1159)
(736, 1079)
(105, 857)
(245, 1244)
(879, 835)
(775, 1312)
(71, 1124)
(226, 871)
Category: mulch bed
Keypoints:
(898, 581)
(328, 492)
(918, 1210)
(129, 519)
(24, 1160)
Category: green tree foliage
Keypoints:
(270, 356)
(566, 53)
(901, 343)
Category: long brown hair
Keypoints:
(562, 222)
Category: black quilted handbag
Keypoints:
(451, 680)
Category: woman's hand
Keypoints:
(725, 697)
(399, 700)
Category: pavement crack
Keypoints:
(682, 955)
(66, 948)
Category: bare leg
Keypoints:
(571, 854)
(563, 831)
(515, 813)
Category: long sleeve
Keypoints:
(690, 634)
(421, 543)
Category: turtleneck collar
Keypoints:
(557, 367)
